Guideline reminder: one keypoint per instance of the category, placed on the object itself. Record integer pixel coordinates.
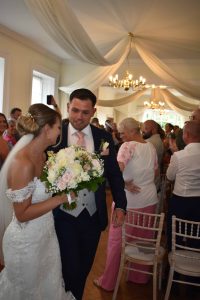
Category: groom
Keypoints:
(79, 230)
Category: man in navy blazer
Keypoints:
(79, 230)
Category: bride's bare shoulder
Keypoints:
(21, 170)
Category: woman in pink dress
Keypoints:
(138, 162)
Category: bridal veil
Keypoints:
(6, 209)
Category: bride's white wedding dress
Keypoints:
(31, 254)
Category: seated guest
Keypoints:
(184, 169)
(138, 162)
(10, 132)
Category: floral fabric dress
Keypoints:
(31, 254)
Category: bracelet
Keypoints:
(119, 208)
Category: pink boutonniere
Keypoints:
(104, 150)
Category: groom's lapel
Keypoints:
(65, 135)
(96, 139)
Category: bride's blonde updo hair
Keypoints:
(37, 117)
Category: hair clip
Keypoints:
(30, 116)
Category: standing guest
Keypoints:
(4, 149)
(30, 247)
(54, 103)
(150, 132)
(111, 127)
(179, 140)
(195, 116)
(172, 142)
(167, 151)
(184, 169)
(3, 123)
(95, 122)
(176, 129)
(15, 113)
(138, 162)
(79, 230)
(168, 128)
(10, 132)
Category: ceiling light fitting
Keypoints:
(127, 82)
(154, 104)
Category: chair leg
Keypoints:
(160, 276)
(155, 282)
(118, 280)
(169, 284)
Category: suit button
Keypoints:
(83, 204)
(84, 194)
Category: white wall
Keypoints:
(20, 61)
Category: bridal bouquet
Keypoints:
(71, 170)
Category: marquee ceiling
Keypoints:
(165, 31)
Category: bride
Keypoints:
(30, 247)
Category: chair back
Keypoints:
(143, 230)
(185, 236)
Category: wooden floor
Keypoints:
(127, 291)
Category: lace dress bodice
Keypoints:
(36, 188)
(31, 253)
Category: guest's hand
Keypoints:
(131, 187)
(118, 217)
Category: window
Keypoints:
(2, 66)
(42, 85)
(169, 116)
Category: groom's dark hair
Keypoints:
(83, 94)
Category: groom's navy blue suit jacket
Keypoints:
(111, 172)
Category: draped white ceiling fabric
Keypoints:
(121, 101)
(96, 32)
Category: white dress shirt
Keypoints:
(184, 168)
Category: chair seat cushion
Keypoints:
(144, 254)
(186, 261)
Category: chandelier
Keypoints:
(154, 104)
(127, 82)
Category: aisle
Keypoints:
(127, 291)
